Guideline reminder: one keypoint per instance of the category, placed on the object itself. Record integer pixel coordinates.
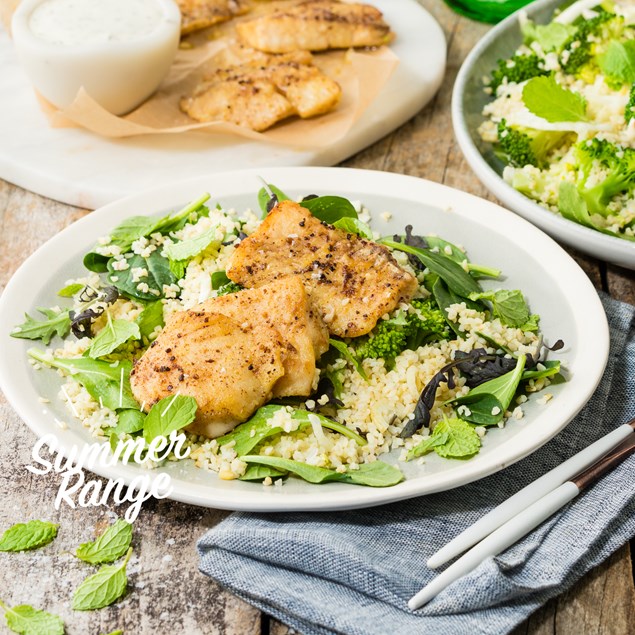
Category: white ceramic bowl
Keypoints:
(118, 74)
(468, 100)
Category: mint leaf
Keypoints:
(110, 546)
(354, 226)
(117, 632)
(113, 335)
(102, 588)
(618, 63)
(427, 445)
(545, 98)
(31, 535)
(129, 421)
(70, 290)
(550, 37)
(509, 306)
(168, 415)
(461, 442)
(56, 323)
(26, 620)
(187, 249)
(150, 318)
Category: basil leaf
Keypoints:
(70, 290)
(168, 415)
(256, 472)
(354, 226)
(187, 249)
(219, 279)
(546, 99)
(159, 274)
(264, 197)
(55, 324)
(452, 273)
(107, 383)
(509, 306)
(330, 208)
(129, 421)
(102, 588)
(26, 620)
(25, 536)
(113, 335)
(618, 63)
(150, 318)
(110, 546)
(348, 356)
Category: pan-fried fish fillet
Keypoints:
(352, 281)
(260, 93)
(285, 306)
(199, 14)
(316, 25)
(230, 369)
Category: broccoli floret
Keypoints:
(230, 287)
(629, 111)
(524, 146)
(517, 69)
(406, 330)
(620, 163)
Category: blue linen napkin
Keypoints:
(353, 572)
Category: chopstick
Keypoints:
(524, 511)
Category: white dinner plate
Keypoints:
(555, 286)
(80, 168)
(468, 100)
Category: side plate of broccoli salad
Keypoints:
(562, 115)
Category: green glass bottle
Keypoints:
(491, 11)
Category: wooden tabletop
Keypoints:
(167, 593)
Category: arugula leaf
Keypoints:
(113, 335)
(618, 63)
(187, 249)
(348, 356)
(31, 535)
(354, 226)
(150, 318)
(168, 415)
(129, 421)
(382, 475)
(264, 198)
(330, 208)
(102, 588)
(452, 273)
(70, 290)
(110, 546)
(26, 620)
(159, 274)
(509, 306)
(545, 98)
(107, 383)
(56, 324)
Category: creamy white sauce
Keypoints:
(73, 22)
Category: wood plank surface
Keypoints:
(167, 594)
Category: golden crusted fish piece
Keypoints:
(263, 91)
(352, 281)
(229, 369)
(199, 14)
(316, 25)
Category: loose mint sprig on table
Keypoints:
(31, 535)
(26, 620)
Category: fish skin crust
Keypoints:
(200, 14)
(316, 25)
(351, 281)
(262, 92)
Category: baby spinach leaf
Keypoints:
(445, 298)
(375, 474)
(547, 99)
(354, 226)
(481, 409)
(113, 335)
(31, 535)
(56, 323)
(110, 546)
(159, 274)
(175, 221)
(70, 290)
(168, 415)
(330, 208)
(219, 279)
(129, 421)
(102, 588)
(509, 306)
(349, 357)
(618, 63)
(26, 620)
(255, 472)
(107, 383)
(187, 249)
(150, 318)
(268, 202)
(552, 367)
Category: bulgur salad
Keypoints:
(445, 362)
(562, 115)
